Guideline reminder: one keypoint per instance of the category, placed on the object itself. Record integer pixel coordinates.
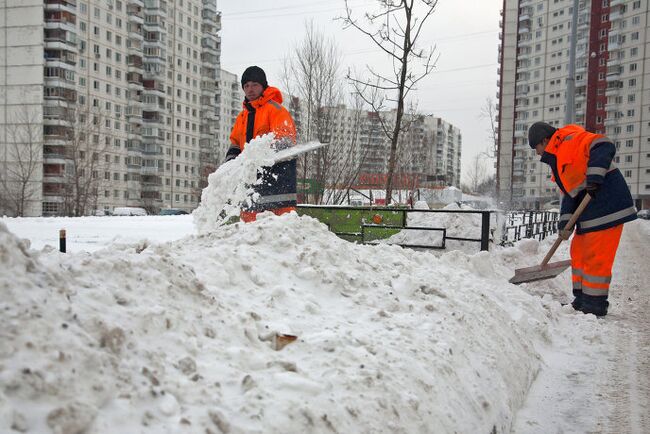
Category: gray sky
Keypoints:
(465, 33)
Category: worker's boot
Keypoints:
(594, 304)
(577, 301)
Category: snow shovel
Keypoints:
(545, 270)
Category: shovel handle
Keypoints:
(569, 226)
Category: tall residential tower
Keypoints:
(612, 88)
(124, 93)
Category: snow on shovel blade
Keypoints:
(531, 274)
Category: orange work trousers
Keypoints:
(592, 258)
(251, 216)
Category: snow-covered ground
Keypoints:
(149, 325)
(133, 332)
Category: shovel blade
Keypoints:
(531, 274)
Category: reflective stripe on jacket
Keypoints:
(578, 157)
(262, 116)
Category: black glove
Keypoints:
(232, 153)
(592, 189)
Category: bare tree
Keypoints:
(395, 29)
(312, 72)
(20, 182)
(477, 173)
(86, 171)
(489, 111)
(348, 152)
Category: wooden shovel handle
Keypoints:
(568, 227)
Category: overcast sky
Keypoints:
(465, 33)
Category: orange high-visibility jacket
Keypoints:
(270, 116)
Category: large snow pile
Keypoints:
(187, 336)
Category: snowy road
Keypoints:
(596, 377)
(628, 386)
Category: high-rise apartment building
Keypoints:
(612, 88)
(429, 153)
(124, 95)
(230, 100)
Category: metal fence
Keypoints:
(369, 224)
(528, 224)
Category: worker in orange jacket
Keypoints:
(263, 113)
(582, 163)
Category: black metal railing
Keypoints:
(529, 224)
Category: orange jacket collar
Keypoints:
(270, 93)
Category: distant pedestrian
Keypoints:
(262, 114)
(582, 163)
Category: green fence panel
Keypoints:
(346, 221)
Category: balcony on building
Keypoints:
(615, 14)
(55, 76)
(210, 5)
(61, 5)
(149, 169)
(613, 87)
(134, 64)
(151, 182)
(55, 155)
(58, 38)
(156, 7)
(134, 31)
(134, 145)
(154, 119)
(53, 190)
(134, 79)
(65, 56)
(152, 149)
(153, 23)
(60, 16)
(59, 93)
(154, 54)
(135, 16)
(154, 87)
(57, 134)
(133, 114)
(613, 72)
(153, 103)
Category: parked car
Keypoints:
(129, 211)
(644, 214)
(554, 204)
(172, 211)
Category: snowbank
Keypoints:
(184, 335)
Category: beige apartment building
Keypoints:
(230, 100)
(119, 98)
(430, 149)
(612, 88)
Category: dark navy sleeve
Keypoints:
(601, 155)
(567, 208)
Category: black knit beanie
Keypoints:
(538, 132)
(256, 74)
